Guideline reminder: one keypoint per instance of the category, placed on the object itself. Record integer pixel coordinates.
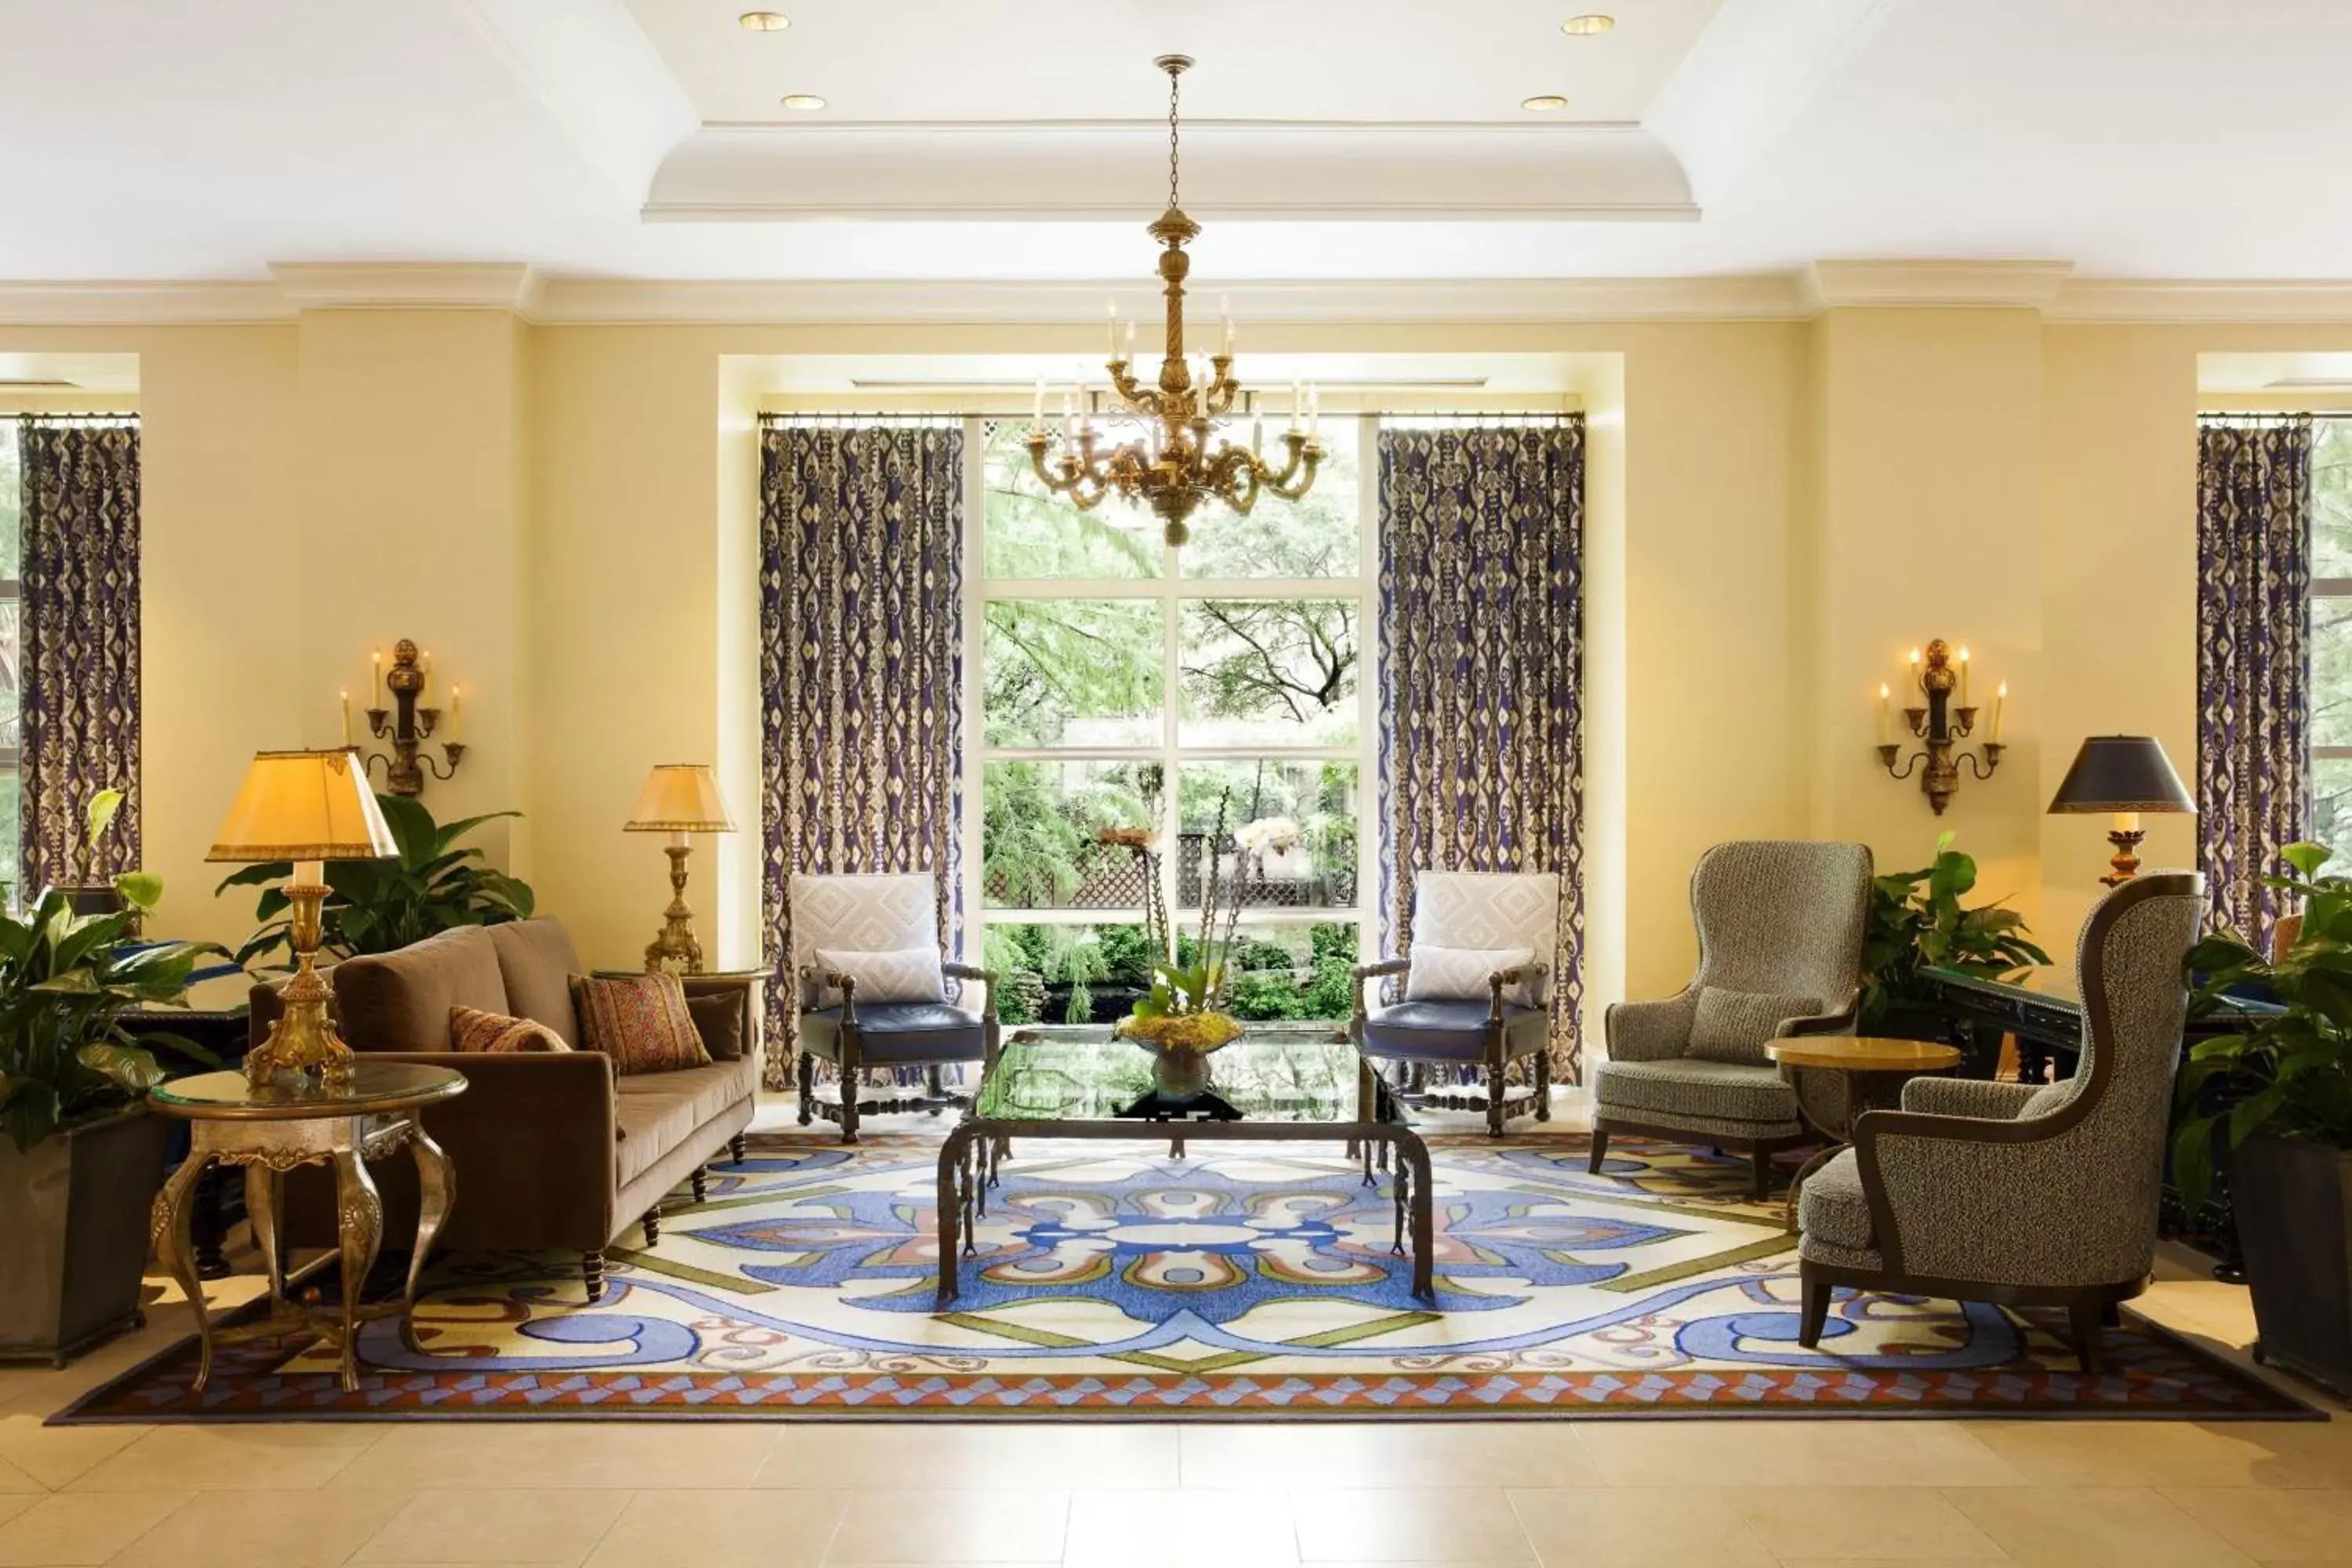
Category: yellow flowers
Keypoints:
(1183, 1031)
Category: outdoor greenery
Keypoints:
(66, 981)
(377, 906)
(1917, 923)
(2286, 1073)
(2331, 633)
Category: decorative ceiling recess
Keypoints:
(1379, 109)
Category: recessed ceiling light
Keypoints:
(765, 21)
(1544, 103)
(803, 101)
(1586, 25)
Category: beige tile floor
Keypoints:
(1652, 1494)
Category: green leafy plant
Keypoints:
(378, 906)
(66, 981)
(1917, 923)
(2286, 1072)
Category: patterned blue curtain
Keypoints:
(1481, 659)
(861, 603)
(2253, 660)
(77, 681)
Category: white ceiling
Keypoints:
(1358, 138)
(1367, 61)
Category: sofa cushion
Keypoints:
(401, 1001)
(1688, 1086)
(537, 961)
(470, 1030)
(658, 1111)
(1733, 1026)
(718, 1021)
(640, 1021)
(1445, 1030)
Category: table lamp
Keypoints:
(2125, 775)
(308, 807)
(679, 798)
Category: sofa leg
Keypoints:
(1759, 1172)
(652, 1223)
(701, 1183)
(1812, 1311)
(2083, 1324)
(737, 1149)
(1599, 1148)
(592, 1268)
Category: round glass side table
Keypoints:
(272, 1130)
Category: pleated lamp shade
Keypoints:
(304, 806)
(680, 797)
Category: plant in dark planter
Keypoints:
(2271, 1103)
(380, 906)
(1916, 924)
(82, 1159)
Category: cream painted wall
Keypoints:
(1925, 521)
(565, 515)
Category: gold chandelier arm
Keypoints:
(1236, 476)
(1304, 457)
(1131, 392)
(1218, 399)
(1083, 482)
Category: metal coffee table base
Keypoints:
(969, 1159)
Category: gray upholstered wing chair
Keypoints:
(873, 993)
(1781, 925)
(2024, 1195)
(1480, 992)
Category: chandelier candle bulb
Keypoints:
(1914, 665)
(1225, 309)
(1037, 410)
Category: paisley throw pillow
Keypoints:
(641, 1022)
(471, 1029)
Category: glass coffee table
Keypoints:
(1289, 1087)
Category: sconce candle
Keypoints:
(377, 686)
(1999, 702)
(1886, 715)
(345, 698)
(1940, 722)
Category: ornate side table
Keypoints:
(272, 1130)
(1866, 1073)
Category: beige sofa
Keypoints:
(552, 1149)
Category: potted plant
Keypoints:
(88, 894)
(81, 1158)
(1182, 1019)
(2271, 1103)
(1916, 924)
(380, 906)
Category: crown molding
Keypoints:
(623, 301)
(1834, 285)
(139, 304)
(404, 286)
(539, 298)
(2157, 301)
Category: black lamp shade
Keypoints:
(2121, 773)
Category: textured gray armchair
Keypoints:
(2024, 1195)
(1781, 925)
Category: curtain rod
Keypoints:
(46, 417)
(943, 417)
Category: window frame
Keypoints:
(1170, 589)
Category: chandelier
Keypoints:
(1174, 466)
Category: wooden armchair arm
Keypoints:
(1531, 975)
(815, 982)
(1364, 971)
(986, 976)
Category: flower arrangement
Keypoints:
(1184, 1013)
(1270, 834)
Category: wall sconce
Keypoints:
(408, 723)
(1940, 723)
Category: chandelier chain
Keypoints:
(1172, 82)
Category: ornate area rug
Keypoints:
(1249, 1281)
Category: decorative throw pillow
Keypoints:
(471, 1029)
(1732, 1025)
(1461, 974)
(910, 974)
(640, 1022)
(719, 1020)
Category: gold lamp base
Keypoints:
(677, 947)
(303, 1041)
